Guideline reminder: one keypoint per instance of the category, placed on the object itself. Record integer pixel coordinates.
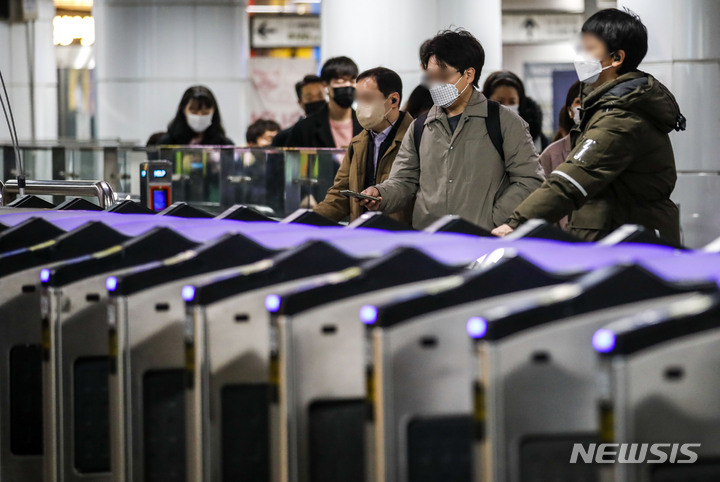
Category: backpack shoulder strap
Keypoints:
(418, 129)
(492, 122)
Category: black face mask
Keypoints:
(344, 96)
(312, 107)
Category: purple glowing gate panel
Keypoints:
(550, 255)
(562, 257)
(700, 266)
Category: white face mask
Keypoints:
(199, 123)
(576, 115)
(445, 95)
(515, 108)
(588, 68)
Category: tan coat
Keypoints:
(351, 175)
(462, 173)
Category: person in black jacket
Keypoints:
(197, 121)
(311, 98)
(335, 124)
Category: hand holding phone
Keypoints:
(359, 195)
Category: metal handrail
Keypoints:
(99, 189)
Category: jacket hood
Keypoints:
(640, 93)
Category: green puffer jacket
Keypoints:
(621, 169)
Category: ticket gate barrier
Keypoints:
(658, 385)
(32, 231)
(21, 417)
(377, 220)
(128, 207)
(438, 446)
(452, 223)
(143, 314)
(76, 411)
(324, 408)
(247, 358)
(536, 379)
(77, 204)
(95, 236)
(401, 405)
(148, 378)
(156, 185)
(226, 319)
(539, 228)
(229, 341)
(29, 201)
(240, 212)
(308, 216)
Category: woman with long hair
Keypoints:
(197, 121)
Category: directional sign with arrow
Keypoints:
(285, 31)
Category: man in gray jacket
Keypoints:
(468, 157)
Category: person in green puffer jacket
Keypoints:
(622, 167)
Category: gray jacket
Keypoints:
(462, 173)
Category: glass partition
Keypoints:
(275, 181)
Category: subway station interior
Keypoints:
(360, 241)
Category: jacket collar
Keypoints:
(402, 123)
(476, 107)
(595, 97)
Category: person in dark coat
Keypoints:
(336, 123)
(310, 97)
(621, 168)
(197, 121)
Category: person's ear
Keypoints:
(470, 75)
(618, 58)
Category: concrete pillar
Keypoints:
(389, 32)
(14, 62)
(149, 52)
(684, 53)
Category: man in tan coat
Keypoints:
(371, 153)
(468, 157)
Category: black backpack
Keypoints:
(492, 122)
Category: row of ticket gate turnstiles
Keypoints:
(172, 347)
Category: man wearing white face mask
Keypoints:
(468, 156)
(371, 153)
(621, 168)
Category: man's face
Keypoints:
(340, 82)
(266, 139)
(314, 92)
(367, 92)
(441, 74)
(596, 48)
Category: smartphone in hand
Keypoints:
(358, 195)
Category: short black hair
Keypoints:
(423, 46)
(620, 30)
(338, 68)
(307, 80)
(388, 81)
(260, 127)
(455, 48)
